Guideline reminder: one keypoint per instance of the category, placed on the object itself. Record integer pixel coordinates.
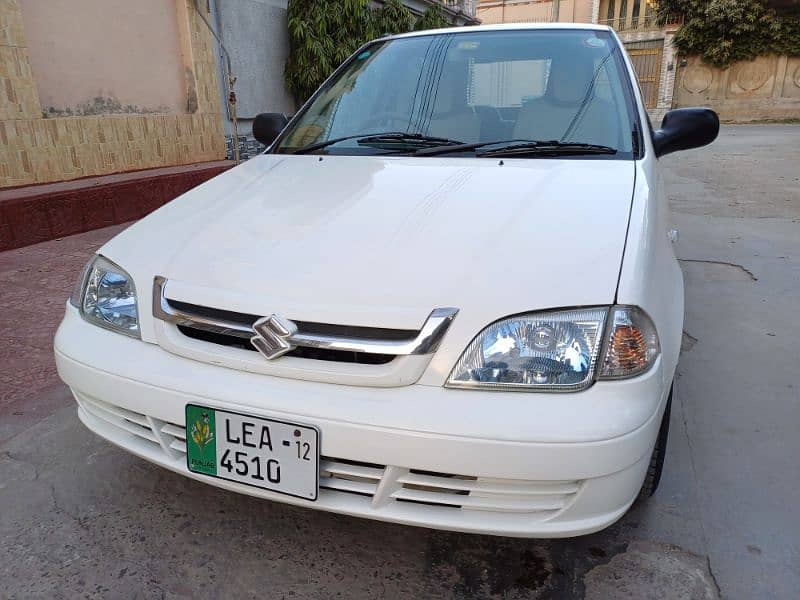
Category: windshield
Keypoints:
(565, 86)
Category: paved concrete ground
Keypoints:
(80, 518)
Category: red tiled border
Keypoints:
(38, 213)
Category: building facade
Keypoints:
(649, 45)
(536, 11)
(108, 109)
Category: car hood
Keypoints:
(376, 241)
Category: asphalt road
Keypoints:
(80, 518)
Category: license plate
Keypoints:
(274, 455)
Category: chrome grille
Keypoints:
(320, 341)
(237, 341)
(379, 484)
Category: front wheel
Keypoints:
(656, 466)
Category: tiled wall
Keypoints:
(38, 150)
(18, 96)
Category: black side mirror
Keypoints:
(267, 126)
(686, 128)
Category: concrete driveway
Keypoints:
(78, 517)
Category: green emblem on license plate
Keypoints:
(201, 444)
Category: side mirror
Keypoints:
(686, 128)
(267, 126)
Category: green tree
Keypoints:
(392, 17)
(322, 34)
(432, 18)
(725, 31)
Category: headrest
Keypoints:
(569, 79)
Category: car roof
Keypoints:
(505, 27)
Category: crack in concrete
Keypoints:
(61, 510)
(703, 533)
(685, 424)
(22, 461)
(713, 576)
(723, 263)
(657, 564)
(688, 341)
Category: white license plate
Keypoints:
(273, 455)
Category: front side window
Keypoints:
(566, 86)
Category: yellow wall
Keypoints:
(533, 11)
(34, 149)
(131, 56)
(515, 12)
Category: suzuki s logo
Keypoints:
(273, 336)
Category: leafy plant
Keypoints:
(392, 17)
(322, 34)
(726, 31)
(432, 18)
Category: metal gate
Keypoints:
(646, 58)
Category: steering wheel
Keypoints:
(377, 121)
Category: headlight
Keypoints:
(558, 351)
(106, 296)
(554, 351)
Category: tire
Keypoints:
(656, 467)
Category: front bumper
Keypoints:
(514, 464)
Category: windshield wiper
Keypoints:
(448, 148)
(427, 145)
(411, 140)
(520, 147)
(548, 148)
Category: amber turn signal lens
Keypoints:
(632, 343)
(628, 348)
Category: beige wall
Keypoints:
(114, 50)
(765, 88)
(581, 11)
(534, 11)
(38, 150)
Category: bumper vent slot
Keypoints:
(376, 484)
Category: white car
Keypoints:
(444, 296)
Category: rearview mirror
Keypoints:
(686, 128)
(267, 126)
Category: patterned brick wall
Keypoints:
(38, 150)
